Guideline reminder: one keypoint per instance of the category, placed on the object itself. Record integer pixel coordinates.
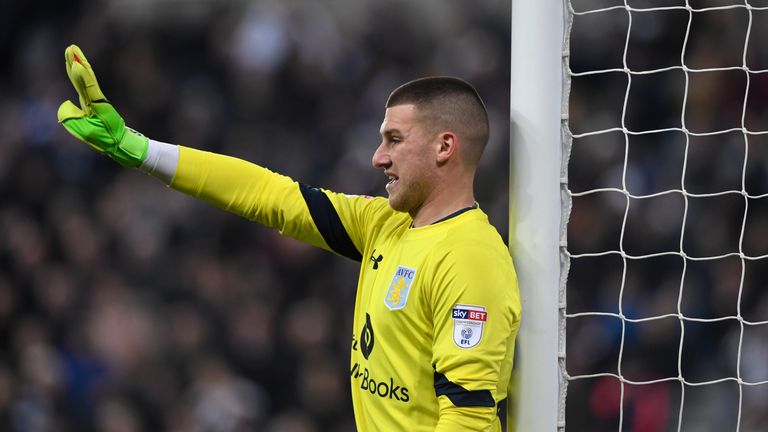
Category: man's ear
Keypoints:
(447, 146)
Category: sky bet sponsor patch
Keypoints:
(468, 322)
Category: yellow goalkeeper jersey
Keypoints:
(437, 307)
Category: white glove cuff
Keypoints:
(161, 161)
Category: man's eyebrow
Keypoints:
(390, 132)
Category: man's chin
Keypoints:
(396, 204)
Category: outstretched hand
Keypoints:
(95, 121)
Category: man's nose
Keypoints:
(380, 158)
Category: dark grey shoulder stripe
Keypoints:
(460, 396)
(328, 222)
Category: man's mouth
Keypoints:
(392, 181)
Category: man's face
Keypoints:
(407, 157)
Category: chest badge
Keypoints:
(397, 294)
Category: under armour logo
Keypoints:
(376, 260)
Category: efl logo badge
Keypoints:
(397, 294)
(468, 324)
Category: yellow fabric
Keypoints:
(455, 419)
(460, 261)
(248, 190)
(411, 279)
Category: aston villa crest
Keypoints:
(397, 294)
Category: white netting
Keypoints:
(664, 297)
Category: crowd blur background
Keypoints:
(693, 344)
(125, 306)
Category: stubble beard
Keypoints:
(408, 199)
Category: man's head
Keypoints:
(448, 104)
(433, 134)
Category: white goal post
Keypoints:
(669, 95)
(536, 107)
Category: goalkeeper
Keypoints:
(437, 307)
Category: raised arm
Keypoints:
(333, 221)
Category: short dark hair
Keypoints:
(448, 102)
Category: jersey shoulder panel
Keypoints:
(363, 217)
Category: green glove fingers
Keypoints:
(96, 122)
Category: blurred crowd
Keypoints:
(125, 306)
(691, 340)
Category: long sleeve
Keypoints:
(476, 315)
(332, 221)
(247, 190)
(466, 419)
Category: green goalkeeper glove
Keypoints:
(96, 122)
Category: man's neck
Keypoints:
(442, 203)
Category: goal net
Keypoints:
(664, 273)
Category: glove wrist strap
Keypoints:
(132, 149)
